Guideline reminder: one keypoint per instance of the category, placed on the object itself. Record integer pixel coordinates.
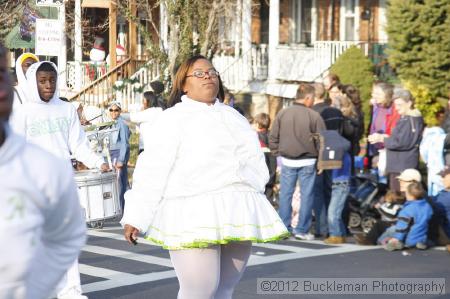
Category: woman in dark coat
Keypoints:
(402, 146)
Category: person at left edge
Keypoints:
(41, 224)
(54, 125)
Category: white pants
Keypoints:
(210, 273)
(70, 285)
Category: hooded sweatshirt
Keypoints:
(21, 95)
(403, 144)
(41, 225)
(53, 125)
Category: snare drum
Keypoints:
(98, 194)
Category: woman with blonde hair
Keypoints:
(199, 190)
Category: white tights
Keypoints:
(210, 273)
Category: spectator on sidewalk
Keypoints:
(384, 116)
(441, 203)
(353, 94)
(334, 120)
(411, 228)
(332, 117)
(432, 153)
(291, 138)
(339, 192)
(261, 124)
(402, 145)
(350, 125)
(330, 80)
(119, 148)
(388, 207)
(41, 225)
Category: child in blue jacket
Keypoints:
(411, 227)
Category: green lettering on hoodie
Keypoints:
(48, 126)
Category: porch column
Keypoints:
(132, 38)
(62, 57)
(274, 33)
(238, 29)
(112, 35)
(314, 18)
(78, 44)
(247, 38)
(382, 36)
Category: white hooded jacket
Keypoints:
(20, 91)
(41, 225)
(53, 125)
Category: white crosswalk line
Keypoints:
(101, 272)
(282, 247)
(143, 258)
(126, 279)
(293, 250)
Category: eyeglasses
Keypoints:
(202, 74)
(114, 110)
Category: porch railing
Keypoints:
(89, 72)
(101, 91)
(236, 73)
(327, 52)
(130, 94)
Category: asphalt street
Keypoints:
(110, 268)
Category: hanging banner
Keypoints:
(49, 35)
(28, 23)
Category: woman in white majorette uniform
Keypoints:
(198, 191)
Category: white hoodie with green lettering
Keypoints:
(53, 125)
(42, 229)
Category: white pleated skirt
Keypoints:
(236, 213)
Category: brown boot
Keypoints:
(448, 248)
(334, 240)
(361, 239)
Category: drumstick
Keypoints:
(108, 155)
(95, 117)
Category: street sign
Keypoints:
(49, 35)
(49, 2)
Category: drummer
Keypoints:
(120, 149)
(54, 125)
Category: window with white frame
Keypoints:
(301, 21)
(349, 23)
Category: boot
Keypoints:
(334, 240)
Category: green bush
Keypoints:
(354, 68)
(425, 102)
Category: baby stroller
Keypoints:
(361, 202)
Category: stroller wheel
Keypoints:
(354, 220)
(367, 223)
